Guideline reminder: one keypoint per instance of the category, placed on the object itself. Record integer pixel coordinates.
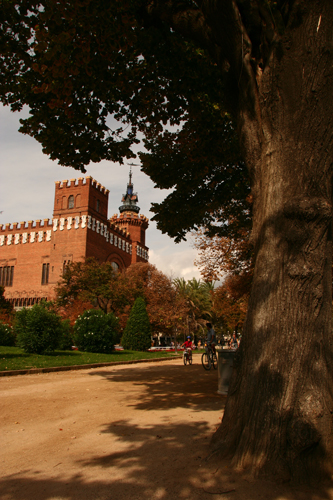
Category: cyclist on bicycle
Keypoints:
(211, 336)
(188, 346)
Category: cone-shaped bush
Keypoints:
(137, 336)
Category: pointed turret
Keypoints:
(129, 199)
(135, 225)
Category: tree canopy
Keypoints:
(97, 78)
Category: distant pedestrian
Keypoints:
(211, 336)
(233, 344)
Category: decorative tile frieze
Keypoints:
(71, 223)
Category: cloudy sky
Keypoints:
(27, 178)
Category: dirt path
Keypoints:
(127, 432)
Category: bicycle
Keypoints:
(209, 357)
(187, 356)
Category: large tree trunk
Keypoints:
(279, 412)
(278, 416)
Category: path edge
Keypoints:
(32, 371)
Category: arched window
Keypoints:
(71, 201)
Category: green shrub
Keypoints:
(95, 331)
(38, 329)
(137, 334)
(7, 336)
(66, 339)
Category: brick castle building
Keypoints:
(33, 255)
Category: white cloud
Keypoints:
(177, 263)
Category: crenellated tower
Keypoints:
(79, 197)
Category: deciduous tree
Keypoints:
(92, 281)
(222, 255)
(231, 260)
(230, 302)
(165, 307)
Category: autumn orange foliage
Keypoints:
(229, 259)
(230, 301)
(90, 284)
(74, 309)
(165, 307)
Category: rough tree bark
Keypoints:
(278, 416)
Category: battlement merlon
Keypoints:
(81, 181)
(10, 227)
(133, 220)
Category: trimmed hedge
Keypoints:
(95, 331)
(137, 333)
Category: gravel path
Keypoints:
(123, 432)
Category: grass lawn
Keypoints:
(14, 358)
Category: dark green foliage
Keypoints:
(38, 329)
(7, 336)
(95, 331)
(66, 340)
(5, 306)
(137, 334)
(89, 61)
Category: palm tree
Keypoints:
(197, 295)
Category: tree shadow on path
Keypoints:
(171, 386)
(164, 457)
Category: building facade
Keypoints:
(34, 254)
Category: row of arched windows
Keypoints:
(26, 301)
(75, 202)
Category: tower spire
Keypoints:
(129, 199)
(130, 175)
